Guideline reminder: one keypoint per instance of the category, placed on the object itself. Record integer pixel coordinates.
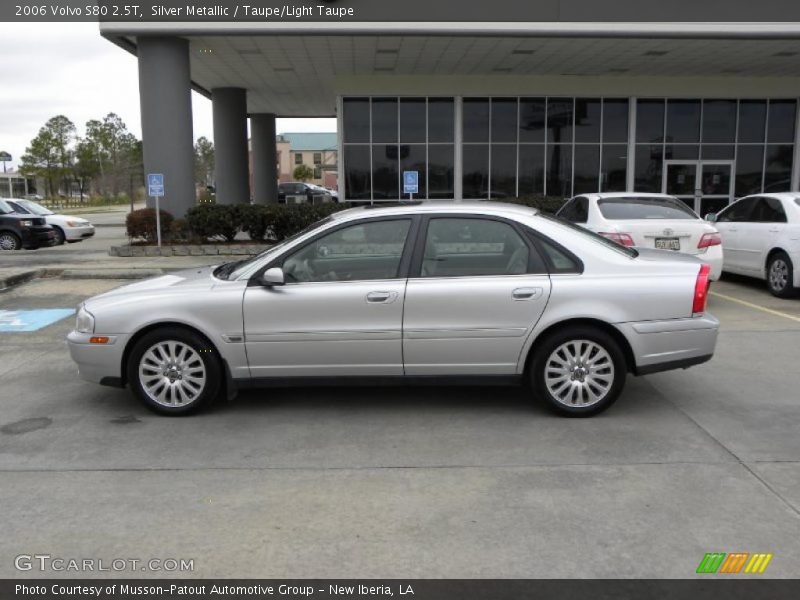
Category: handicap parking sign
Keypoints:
(155, 185)
(410, 182)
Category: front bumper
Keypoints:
(74, 234)
(37, 237)
(671, 344)
(99, 363)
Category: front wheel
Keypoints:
(579, 371)
(10, 241)
(60, 237)
(780, 275)
(174, 371)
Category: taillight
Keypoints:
(701, 290)
(709, 239)
(623, 239)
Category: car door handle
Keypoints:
(526, 293)
(732, 229)
(775, 230)
(381, 297)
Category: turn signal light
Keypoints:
(710, 239)
(701, 290)
(98, 339)
(623, 239)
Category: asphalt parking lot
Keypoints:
(432, 482)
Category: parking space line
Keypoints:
(777, 313)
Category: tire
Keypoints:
(193, 383)
(780, 275)
(60, 237)
(10, 241)
(564, 384)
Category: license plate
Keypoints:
(668, 243)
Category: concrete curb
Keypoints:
(189, 250)
(11, 281)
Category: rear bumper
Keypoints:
(672, 344)
(99, 363)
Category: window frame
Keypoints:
(415, 270)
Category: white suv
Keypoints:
(761, 237)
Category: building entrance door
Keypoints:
(706, 186)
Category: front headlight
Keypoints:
(75, 224)
(84, 322)
(26, 223)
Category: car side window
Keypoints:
(769, 210)
(19, 208)
(459, 247)
(362, 251)
(567, 211)
(738, 212)
(560, 261)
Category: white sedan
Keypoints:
(67, 228)
(647, 221)
(761, 236)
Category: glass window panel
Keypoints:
(715, 179)
(780, 127)
(412, 158)
(681, 152)
(712, 205)
(384, 120)
(476, 120)
(683, 121)
(613, 177)
(709, 151)
(559, 120)
(719, 121)
(504, 120)
(504, 171)
(649, 164)
(412, 120)
(749, 164)
(752, 120)
(587, 169)
(476, 171)
(559, 170)
(681, 179)
(357, 172)
(440, 171)
(649, 120)
(356, 119)
(587, 120)
(441, 120)
(615, 121)
(778, 168)
(531, 169)
(385, 177)
(531, 120)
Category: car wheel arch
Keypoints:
(604, 326)
(770, 255)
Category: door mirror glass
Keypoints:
(272, 277)
(711, 217)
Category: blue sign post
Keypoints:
(155, 189)
(411, 183)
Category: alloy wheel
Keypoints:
(8, 242)
(778, 274)
(172, 373)
(579, 373)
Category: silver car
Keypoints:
(417, 293)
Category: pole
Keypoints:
(158, 222)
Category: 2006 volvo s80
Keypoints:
(432, 292)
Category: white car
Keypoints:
(761, 237)
(67, 228)
(647, 221)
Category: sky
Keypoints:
(67, 68)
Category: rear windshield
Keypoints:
(630, 208)
(632, 252)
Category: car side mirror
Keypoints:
(711, 217)
(272, 277)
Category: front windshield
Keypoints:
(233, 270)
(36, 209)
(633, 253)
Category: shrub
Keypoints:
(546, 204)
(210, 221)
(255, 221)
(179, 230)
(287, 219)
(142, 223)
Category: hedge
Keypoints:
(142, 224)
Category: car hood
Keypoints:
(185, 281)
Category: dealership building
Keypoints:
(695, 99)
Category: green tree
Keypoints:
(113, 147)
(50, 155)
(85, 167)
(203, 161)
(303, 173)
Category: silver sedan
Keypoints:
(480, 293)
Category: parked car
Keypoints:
(647, 221)
(19, 231)
(474, 292)
(761, 237)
(298, 192)
(67, 228)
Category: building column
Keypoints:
(229, 106)
(166, 107)
(265, 158)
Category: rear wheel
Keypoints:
(578, 371)
(174, 371)
(60, 237)
(10, 241)
(780, 275)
